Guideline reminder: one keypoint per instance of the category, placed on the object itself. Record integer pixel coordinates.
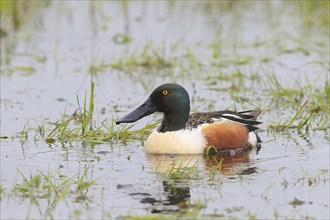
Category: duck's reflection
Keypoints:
(231, 165)
(227, 163)
(176, 198)
(176, 192)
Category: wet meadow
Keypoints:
(69, 69)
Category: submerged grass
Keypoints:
(305, 177)
(51, 187)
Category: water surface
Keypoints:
(222, 52)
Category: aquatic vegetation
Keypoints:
(185, 170)
(215, 170)
(100, 67)
(24, 134)
(16, 12)
(80, 127)
(148, 57)
(304, 177)
(66, 131)
(313, 113)
(52, 187)
(228, 57)
(2, 192)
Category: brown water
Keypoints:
(46, 63)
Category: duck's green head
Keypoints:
(171, 99)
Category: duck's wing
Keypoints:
(246, 118)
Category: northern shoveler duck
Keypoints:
(184, 133)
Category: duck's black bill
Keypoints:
(143, 110)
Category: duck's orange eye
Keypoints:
(165, 92)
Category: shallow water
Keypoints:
(46, 63)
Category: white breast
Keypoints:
(176, 142)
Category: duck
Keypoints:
(182, 132)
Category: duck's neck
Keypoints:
(174, 121)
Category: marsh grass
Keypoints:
(306, 108)
(309, 112)
(310, 106)
(215, 169)
(148, 57)
(99, 66)
(67, 131)
(304, 177)
(14, 12)
(183, 170)
(2, 192)
(301, 104)
(24, 134)
(52, 184)
(80, 126)
(52, 187)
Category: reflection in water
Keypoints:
(226, 164)
(175, 195)
(232, 165)
(175, 198)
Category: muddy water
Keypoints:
(46, 63)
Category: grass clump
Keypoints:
(80, 127)
(53, 187)
(310, 106)
(150, 57)
(314, 118)
(73, 129)
(183, 170)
